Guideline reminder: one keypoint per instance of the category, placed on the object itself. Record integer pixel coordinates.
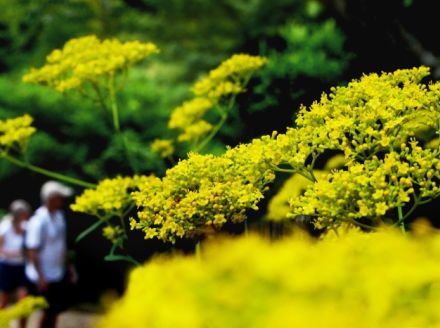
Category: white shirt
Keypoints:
(12, 242)
(47, 233)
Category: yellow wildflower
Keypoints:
(22, 309)
(164, 147)
(86, 59)
(189, 112)
(214, 91)
(379, 279)
(239, 66)
(196, 131)
(15, 132)
(113, 233)
(111, 197)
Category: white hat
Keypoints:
(51, 188)
(19, 206)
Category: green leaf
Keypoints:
(89, 230)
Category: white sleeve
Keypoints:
(33, 234)
(5, 223)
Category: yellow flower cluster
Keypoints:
(371, 189)
(203, 191)
(15, 132)
(195, 132)
(295, 186)
(111, 197)
(369, 122)
(372, 121)
(21, 309)
(229, 76)
(189, 112)
(113, 233)
(360, 280)
(87, 59)
(279, 205)
(163, 147)
(216, 91)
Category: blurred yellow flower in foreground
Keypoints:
(380, 279)
(21, 309)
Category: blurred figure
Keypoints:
(12, 276)
(47, 267)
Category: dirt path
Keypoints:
(68, 319)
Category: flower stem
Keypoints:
(223, 116)
(48, 173)
(214, 131)
(116, 123)
(197, 250)
(401, 219)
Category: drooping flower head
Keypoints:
(216, 92)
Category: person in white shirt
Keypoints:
(12, 277)
(47, 267)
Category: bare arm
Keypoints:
(34, 259)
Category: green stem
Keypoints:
(310, 169)
(366, 226)
(114, 105)
(122, 216)
(293, 171)
(48, 173)
(223, 117)
(401, 219)
(279, 169)
(214, 131)
(116, 123)
(125, 258)
(198, 251)
(89, 230)
(101, 99)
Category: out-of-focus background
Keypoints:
(311, 46)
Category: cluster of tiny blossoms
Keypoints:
(113, 233)
(373, 121)
(111, 197)
(203, 192)
(21, 309)
(15, 133)
(380, 279)
(371, 189)
(87, 59)
(279, 205)
(163, 147)
(216, 91)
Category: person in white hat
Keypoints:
(45, 241)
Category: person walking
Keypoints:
(12, 276)
(47, 265)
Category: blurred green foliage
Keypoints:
(76, 137)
